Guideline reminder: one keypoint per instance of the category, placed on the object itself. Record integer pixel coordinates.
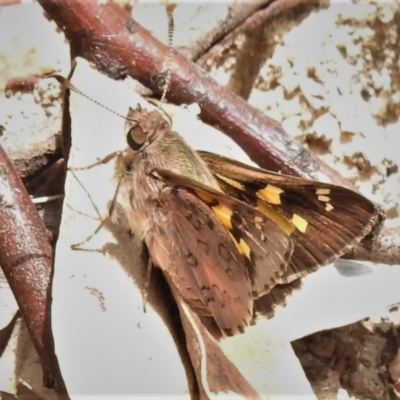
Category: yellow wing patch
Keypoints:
(322, 196)
(322, 191)
(275, 216)
(242, 246)
(245, 248)
(300, 223)
(231, 182)
(329, 207)
(324, 199)
(224, 214)
(271, 194)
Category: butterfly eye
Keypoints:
(136, 138)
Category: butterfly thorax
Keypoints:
(163, 150)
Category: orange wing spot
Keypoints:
(283, 223)
(206, 197)
(300, 223)
(271, 194)
(224, 214)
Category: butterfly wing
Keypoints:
(263, 246)
(277, 297)
(324, 221)
(202, 262)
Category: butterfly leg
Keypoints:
(104, 160)
(103, 222)
(77, 246)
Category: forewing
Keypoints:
(263, 246)
(324, 221)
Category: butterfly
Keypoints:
(229, 237)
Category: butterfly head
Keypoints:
(143, 128)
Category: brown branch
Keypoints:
(237, 13)
(259, 44)
(384, 249)
(244, 73)
(254, 21)
(26, 258)
(106, 36)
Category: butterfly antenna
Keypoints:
(169, 9)
(67, 84)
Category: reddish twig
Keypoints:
(26, 258)
(384, 249)
(237, 13)
(254, 21)
(106, 36)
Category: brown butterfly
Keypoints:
(226, 234)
